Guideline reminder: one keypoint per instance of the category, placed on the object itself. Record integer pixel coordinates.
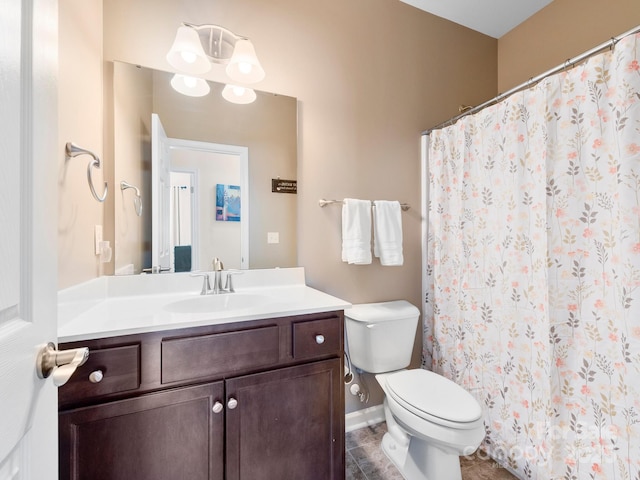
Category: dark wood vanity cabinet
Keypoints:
(245, 401)
(170, 434)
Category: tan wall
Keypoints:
(560, 31)
(80, 121)
(132, 105)
(369, 76)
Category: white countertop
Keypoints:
(115, 306)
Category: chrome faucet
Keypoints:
(206, 284)
(228, 286)
(218, 267)
(216, 288)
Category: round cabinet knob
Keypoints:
(96, 376)
(319, 339)
(217, 407)
(232, 403)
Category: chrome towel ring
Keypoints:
(137, 200)
(72, 150)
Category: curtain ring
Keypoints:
(614, 40)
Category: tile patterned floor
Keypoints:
(366, 461)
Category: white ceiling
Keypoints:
(491, 17)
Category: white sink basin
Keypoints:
(218, 303)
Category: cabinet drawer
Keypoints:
(216, 355)
(120, 368)
(317, 338)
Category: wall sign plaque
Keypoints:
(279, 185)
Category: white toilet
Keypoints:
(431, 420)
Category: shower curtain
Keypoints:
(180, 215)
(533, 269)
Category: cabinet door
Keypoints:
(160, 436)
(288, 424)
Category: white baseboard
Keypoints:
(364, 418)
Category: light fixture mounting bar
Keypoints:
(218, 42)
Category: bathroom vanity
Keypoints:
(243, 392)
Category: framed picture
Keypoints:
(227, 203)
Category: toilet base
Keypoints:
(421, 460)
(394, 451)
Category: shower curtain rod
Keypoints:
(571, 62)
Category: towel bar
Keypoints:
(323, 203)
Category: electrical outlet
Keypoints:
(98, 238)
(273, 237)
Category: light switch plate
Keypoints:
(273, 237)
(98, 238)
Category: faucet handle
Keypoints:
(217, 265)
(206, 283)
(229, 281)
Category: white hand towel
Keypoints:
(356, 231)
(387, 232)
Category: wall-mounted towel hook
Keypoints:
(72, 150)
(137, 200)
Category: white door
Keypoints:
(28, 231)
(160, 195)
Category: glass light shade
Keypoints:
(190, 86)
(187, 54)
(237, 94)
(244, 65)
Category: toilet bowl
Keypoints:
(431, 420)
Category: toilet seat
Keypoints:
(434, 398)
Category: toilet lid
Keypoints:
(428, 394)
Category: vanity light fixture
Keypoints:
(238, 94)
(244, 65)
(191, 86)
(197, 47)
(187, 54)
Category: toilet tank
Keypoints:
(380, 336)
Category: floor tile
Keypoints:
(374, 463)
(352, 469)
(366, 461)
(370, 434)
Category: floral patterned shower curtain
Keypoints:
(533, 277)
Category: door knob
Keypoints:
(232, 403)
(60, 363)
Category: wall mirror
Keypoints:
(266, 130)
